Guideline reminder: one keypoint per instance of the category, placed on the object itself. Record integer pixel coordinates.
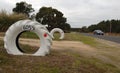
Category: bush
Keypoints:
(7, 19)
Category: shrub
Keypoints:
(7, 19)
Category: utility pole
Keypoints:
(110, 27)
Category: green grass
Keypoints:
(29, 35)
(57, 61)
(77, 37)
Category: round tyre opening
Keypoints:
(56, 35)
(26, 43)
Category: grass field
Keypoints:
(57, 62)
(60, 61)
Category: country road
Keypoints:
(105, 37)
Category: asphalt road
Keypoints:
(105, 37)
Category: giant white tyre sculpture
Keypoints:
(14, 31)
(57, 30)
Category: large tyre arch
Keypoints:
(57, 30)
(12, 35)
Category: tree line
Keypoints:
(106, 26)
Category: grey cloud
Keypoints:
(78, 12)
(5, 6)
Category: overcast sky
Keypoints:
(78, 12)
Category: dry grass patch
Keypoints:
(59, 61)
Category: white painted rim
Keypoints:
(27, 25)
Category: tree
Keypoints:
(91, 28)
(24, 8)
(51, 17)
(84, 29)
(66, 27)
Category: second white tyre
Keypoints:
(57, 30)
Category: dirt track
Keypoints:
(62, 45)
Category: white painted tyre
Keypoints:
(57, 30)
(11, 37)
